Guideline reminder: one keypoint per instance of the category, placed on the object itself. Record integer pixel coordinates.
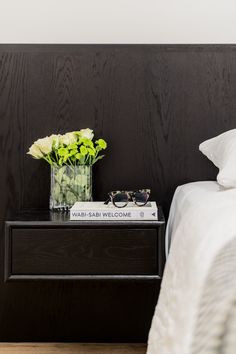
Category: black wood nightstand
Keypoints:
(124, 259)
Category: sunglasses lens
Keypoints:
(141, 198)
(120, 200)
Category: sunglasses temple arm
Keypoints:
(107, 201)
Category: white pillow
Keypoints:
(221, 150)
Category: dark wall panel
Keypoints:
(153, 103)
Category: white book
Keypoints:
(100, 211)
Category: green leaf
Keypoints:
(59, 174)
(66, 179)
(70, 198)
(80, 180)
(61, 161)
(60, 197)
(56, 191)
(65, 158)
(97, 158)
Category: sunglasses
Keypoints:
(121, 198)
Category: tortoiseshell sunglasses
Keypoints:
(121, 198)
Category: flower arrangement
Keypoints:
(71, 157)
(73, 148)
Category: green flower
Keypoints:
(91, 151)
(101, 143)
(73, 149)
(83, 150)
(63, 151)
(78, 156)
(85, 142)
(73, 152)
(72, 146)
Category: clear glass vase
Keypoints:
(70, 184)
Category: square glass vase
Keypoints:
(70, 184)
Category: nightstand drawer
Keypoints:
(78, 251)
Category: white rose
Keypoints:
(55, 140)
(45, 145)
(68, 138)
(86, 133)
(35, 152)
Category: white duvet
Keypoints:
(202, 220)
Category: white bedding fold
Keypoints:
(202, 220)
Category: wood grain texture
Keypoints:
(47, 245)
(83, 251)
(60, 348)
(154, 104)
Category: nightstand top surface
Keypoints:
(59, 218)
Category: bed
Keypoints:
(196, 310)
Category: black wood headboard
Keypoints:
(153, 103)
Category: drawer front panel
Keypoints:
(37, 251)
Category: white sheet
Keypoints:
(202, 220)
